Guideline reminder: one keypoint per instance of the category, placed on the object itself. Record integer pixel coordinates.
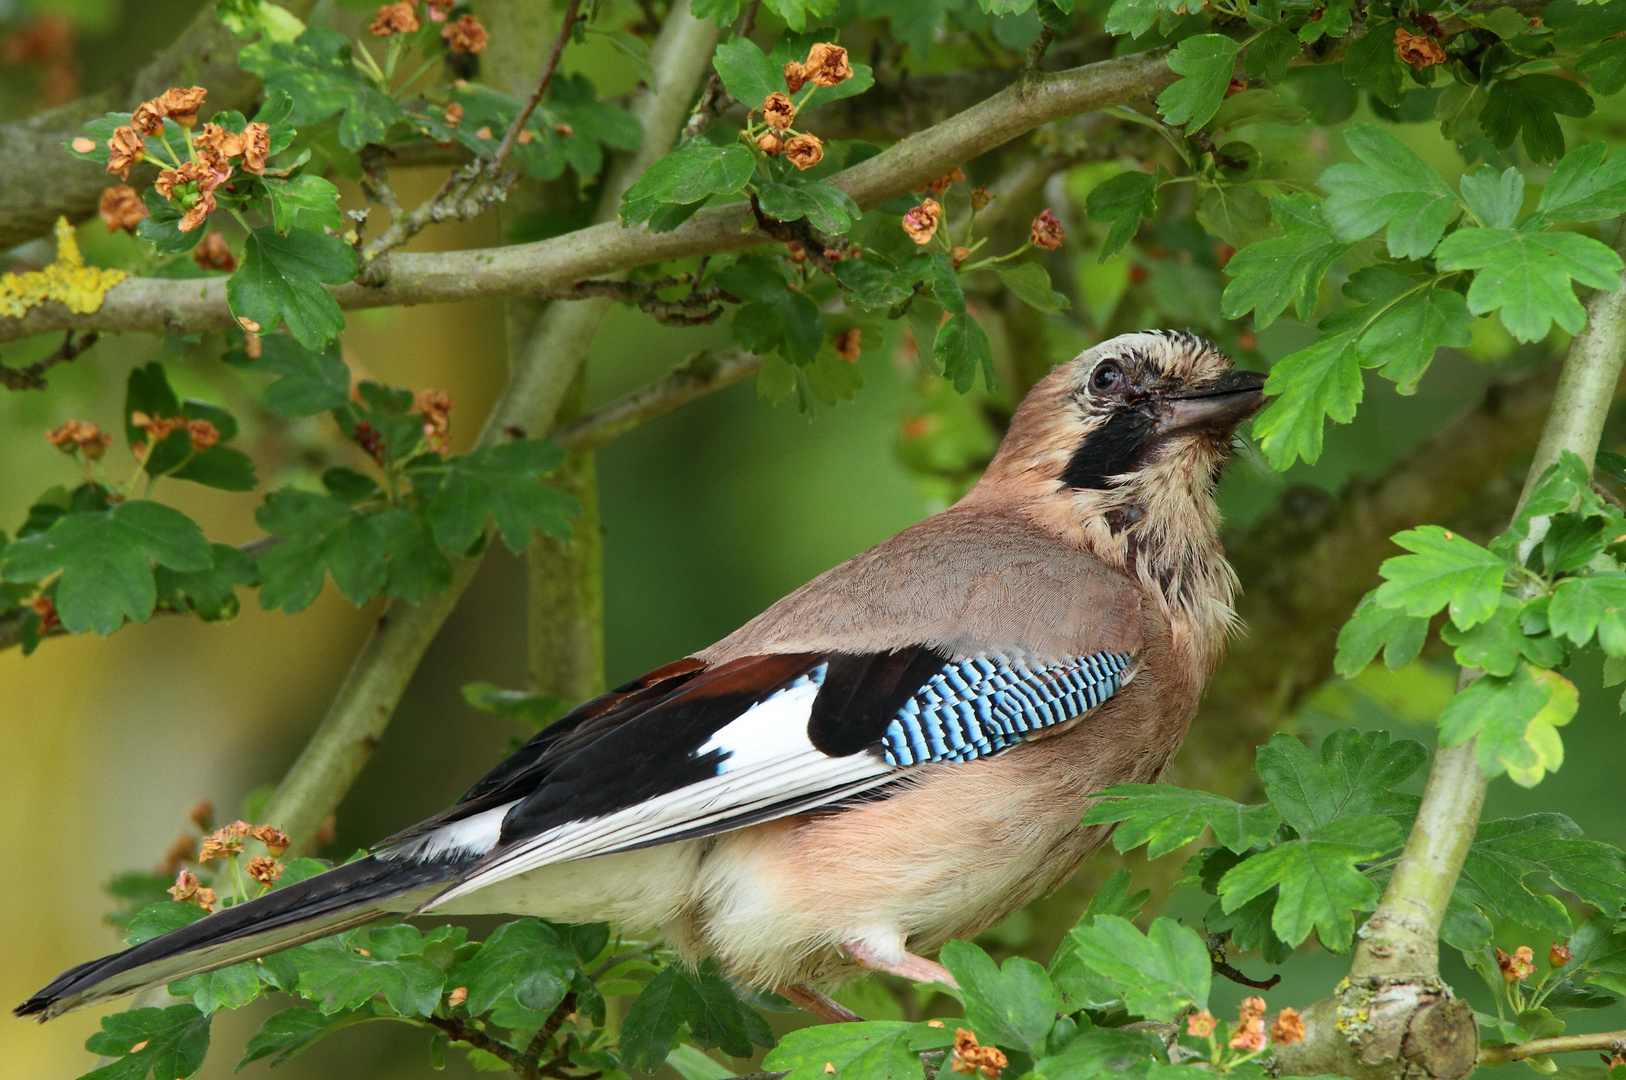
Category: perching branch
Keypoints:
(175, 307)
(1395, 976)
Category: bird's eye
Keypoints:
(1107, 377)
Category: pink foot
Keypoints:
(915, 968)
(818, 1005)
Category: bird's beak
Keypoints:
(1217, 409)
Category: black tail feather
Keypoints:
(345, 896)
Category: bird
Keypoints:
(897, 754)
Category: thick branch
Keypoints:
(159, 306)
(43, 182)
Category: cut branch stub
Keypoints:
(1379, 1030)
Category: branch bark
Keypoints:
(44, 183)
(1409, 1014)
(175, 307)
(362, 709)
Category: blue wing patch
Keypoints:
(976, 707)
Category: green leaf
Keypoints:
(960, 348)
(1271, 274)
(321, 534)
(1605, 66)
(1372, 63)
(1309, 386)
(1507, 852)
(219, 467)
(1236, 213)
(1013, 1006)
(828, 209)
(287, 1032)
(1269, 54)
(1165, 818)
(1207, 62)
(693, 172)
(1390, 187)
(1526, 275)
(311, 382)
(1496, 644)
(172, 1043)
(1596, 603)
(1373, 627)
(774, 316)
(334, 974)
(1495, 199)
(281, 278)
(106, 560)
(1407, 324)
(304, 201)
(212, 593)
(526, 960)
(1445, 569)
(1122, 200)
(1158, 974)
(1458, 109)
(746, 72)
(875, 1050)
(1515, 720)
(1135, 17)
(224, 988)
(147, 390)
(504, 484)
(1031, 284)
(1320, 885)
(703, 1003)
(156, 920)
(1352, 778)
(1528, 105)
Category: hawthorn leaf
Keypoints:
(1013, 1005)
(161, 1043)
(1390, 187)
(1444, 569)
(1529, 106)
(747, 73)
(1494, 198)
(1526, 275)
(1206, 62)
(1352, 777)
(1309, 386)
(1515, 720)
(1158, 974)
(1595, 603)
(1269, 275)
(960, 348)
(1507, 852)
(1165, 818)
(873, 1050)
(1122, 200)
(281, 278)
(288, 1031)
(1031, 284)
(504, 484)
(309, 381)
(1373, 627)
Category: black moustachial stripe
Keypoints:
(1109, 450)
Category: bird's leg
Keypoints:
(915, 968)
(819, 1005)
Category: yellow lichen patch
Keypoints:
(68, 281)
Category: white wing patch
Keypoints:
(473, 835)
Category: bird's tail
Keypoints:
(343, 897)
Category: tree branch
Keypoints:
(32, 377)
(176, 307)
(43, 182)
(1613, 1041)
(696, 377)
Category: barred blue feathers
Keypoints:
(976, 707)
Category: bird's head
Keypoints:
(1119, 451)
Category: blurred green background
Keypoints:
(709, 515)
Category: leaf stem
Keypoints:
(1604, 1040)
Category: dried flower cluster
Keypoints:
(1517, 967)
(121, 208)
(45, 608)
(826, 65)
(187, 887)
(1201, 1024)
(941, 184)
(1249, 1034)
(465, 35)
(1288, 1028)
(390, 19)
(1046, 232)
(849, 344)
(1558, 955)
(213, 253)
(778, 110)
(264, 869)
(1418, 50)
(433, 406)
(921, 222)
(204, 433)
(969, 1057)
(79, 436)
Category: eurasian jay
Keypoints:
(896, 754)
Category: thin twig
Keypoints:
(544, 1035)
(458, 1031)
(1037, 50)
(1614, 1041)
(32, 377)
(509, 138)
(696, 377)
(698, 308)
